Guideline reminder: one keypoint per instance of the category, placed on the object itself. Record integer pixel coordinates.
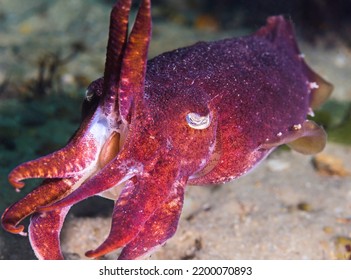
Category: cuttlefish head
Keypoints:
(124, 149)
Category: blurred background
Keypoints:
(315, 19)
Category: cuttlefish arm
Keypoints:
(50, 190)
(142, 196)
(44, 233)
(92, 147)
(159, 227)
(85, 146)
(131, 87)
(125, 164)
(116, 166)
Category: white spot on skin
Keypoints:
(297, 126)
(43, 215)
(279, 134)
(310, 112)
(169, 144)
(125, 80)
(78, 166)
(313, 85)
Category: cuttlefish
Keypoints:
(198, 115)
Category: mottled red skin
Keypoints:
(259, 88)
(136, 145)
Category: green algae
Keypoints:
(335, 116)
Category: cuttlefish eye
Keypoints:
(94, 89)
(89, 93)
(196, 121)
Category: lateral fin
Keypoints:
(307, 138)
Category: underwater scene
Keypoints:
(295, 204)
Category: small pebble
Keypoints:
(328, 230)
(329, 165)
(304, 206)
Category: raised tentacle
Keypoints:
(44, 233)
(159, 228)
(134, 60)
(117, 39)
(84, 146)
(140, 198)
